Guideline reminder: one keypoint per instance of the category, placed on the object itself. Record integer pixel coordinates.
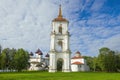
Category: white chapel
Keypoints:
(78, 63)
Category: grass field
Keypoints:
(59, 76)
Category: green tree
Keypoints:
(95, 64)
(0, 49)
(7, 58)
(11, 55)
(102, 58)
(3, 61)
(92, 62)
(7, 52)
(110, 62)
(89, 61)
(106, 60)
(21, 59)
(117, 61)
(0, 55)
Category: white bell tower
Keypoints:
(59, 46)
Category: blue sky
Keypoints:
(93, 24)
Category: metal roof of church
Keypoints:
(39, 52)
(47, 55)
(77, 57)
(78, 63)
(31, 54)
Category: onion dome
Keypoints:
(77, 52)
(60, 17)
(31, 54)
(77, 55)
(47, 55)
(39, 52)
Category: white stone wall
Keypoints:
(55, 26)
(52, 66)
(74, 68)
(34, 59)
(77, 60)
(66, 58)
(33, 67)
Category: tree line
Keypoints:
(107, 61)
(18, 59)
(14, 59)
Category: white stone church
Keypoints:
(59, 50)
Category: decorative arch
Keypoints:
(60, 43)
(60, 28)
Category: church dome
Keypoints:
(47, 55)
(77, 54)
(39, 52)
(31, 54)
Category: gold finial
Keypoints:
(60, 12)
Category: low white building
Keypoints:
(78, 63)
(37, 62)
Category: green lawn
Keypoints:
(59, 76)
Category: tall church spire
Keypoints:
(60, 17)
(60, 12)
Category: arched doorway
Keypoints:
(59, 64)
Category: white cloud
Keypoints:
(27, 24)
(97, 5)
(89, 39)
(113, 42)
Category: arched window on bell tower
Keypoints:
(59, 47)
(60, 29)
